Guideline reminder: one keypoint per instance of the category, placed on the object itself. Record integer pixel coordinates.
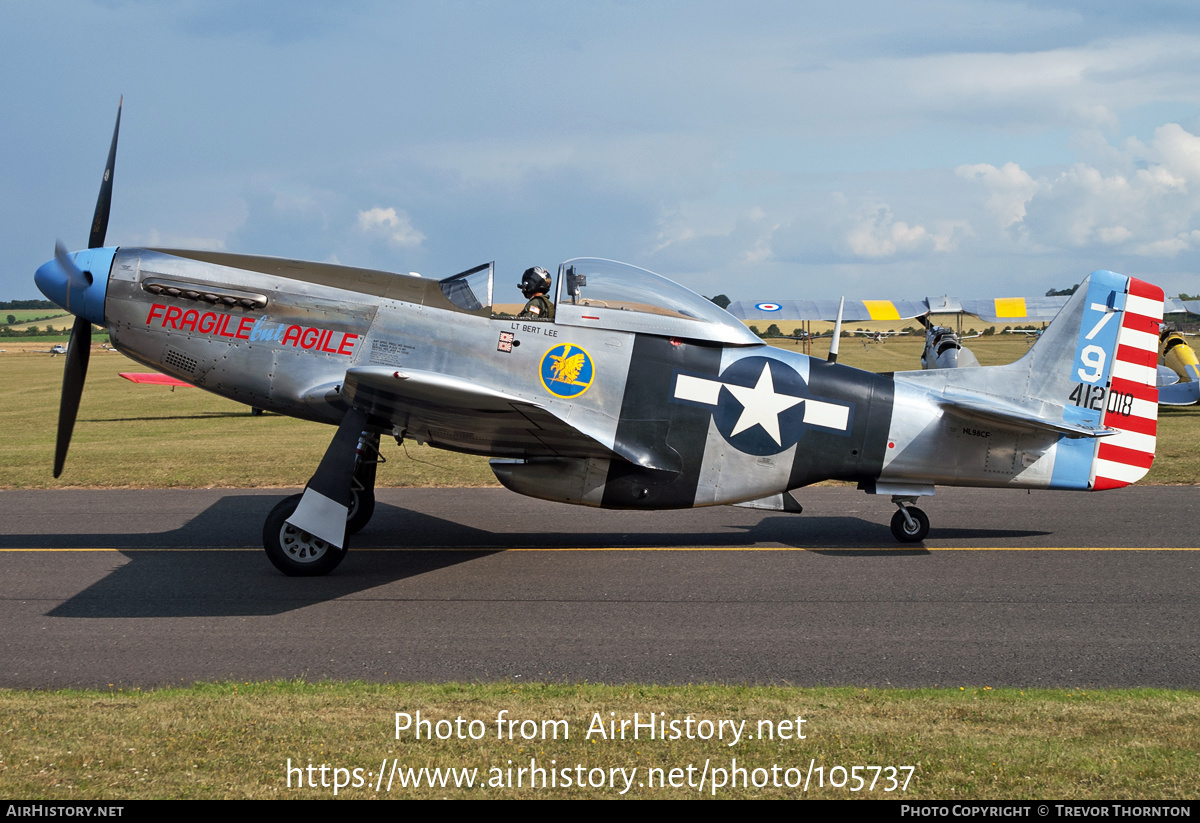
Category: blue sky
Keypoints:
(766, 150)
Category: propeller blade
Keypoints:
(73, 374)
(78, 281)
(76, 278)
(104, 201)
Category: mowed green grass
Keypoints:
(235, 740)
(143, 436)
(36, 317)
(30, 315)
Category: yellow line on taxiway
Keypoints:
(893, 548)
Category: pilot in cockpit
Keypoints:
(535, 285)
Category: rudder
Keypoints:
(1111, 383)
(1131, 404)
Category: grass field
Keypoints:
(140, 436)
(23, 316)
(235, 740)
(61, 321)
(150, 436)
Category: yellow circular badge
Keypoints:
(567, 370)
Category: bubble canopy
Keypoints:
(607, 294)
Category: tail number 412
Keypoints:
(1092, 397)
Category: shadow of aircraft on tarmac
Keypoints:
(209, 564)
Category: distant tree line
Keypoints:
(26, 304)
(32, 331)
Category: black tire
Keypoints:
(906, 534)
(294, 552)
(362, 506)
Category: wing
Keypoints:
(452, 413)
(991, 310)
(855, 311)
(1000, 309)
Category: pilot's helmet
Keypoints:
(534, 281)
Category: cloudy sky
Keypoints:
(766, 150)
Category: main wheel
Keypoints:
(362, 506)
(294, 552)
(915, 533)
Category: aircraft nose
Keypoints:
(77, 281)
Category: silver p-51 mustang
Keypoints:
(638, 394)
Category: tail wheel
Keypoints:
(362, 506)
(910, 532)
(294, 552)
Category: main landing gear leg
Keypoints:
(909, 524)
(306, 535)
(362, 486)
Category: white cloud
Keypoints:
(394, 227)
(1145, 202)
(1009, 189)
(1170, 246)
(878, 234)
(1178, 154)
(1112, 235)
(1084, 86)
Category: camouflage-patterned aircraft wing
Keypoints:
(990, 310)
(855, 311)
(1002, 309)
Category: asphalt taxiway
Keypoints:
(148, 588)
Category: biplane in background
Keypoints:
(1178, 371)
(944, 347)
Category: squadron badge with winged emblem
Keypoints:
(566, 370)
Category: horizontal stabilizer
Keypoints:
(1179, 394)
(1001, 411)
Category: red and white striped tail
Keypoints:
(1132, 406)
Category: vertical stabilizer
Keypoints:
(1112, 382)
(1078, 411)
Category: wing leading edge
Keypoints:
(454, 413)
